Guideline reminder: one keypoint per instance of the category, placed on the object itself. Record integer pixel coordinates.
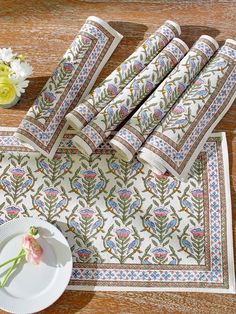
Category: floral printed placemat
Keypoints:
(128, 228)
(44, 125)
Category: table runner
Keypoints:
(177, 141)
(97, 130)
(128, 228)
(121, 76)
(130, 138)
(45, 123)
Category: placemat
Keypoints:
(179, 137)
(44, 125)
(108, 119)
(100, 97)
(133, 134)
(128, 228)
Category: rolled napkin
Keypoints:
(176, 142)
(45, 123)
(96, 131)
(130, 138)
(121, 76)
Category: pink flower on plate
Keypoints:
(33, 250)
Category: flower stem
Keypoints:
(10, 269)
(12, 259)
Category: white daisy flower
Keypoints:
(20, 85)
(21, 69)
(6, 54)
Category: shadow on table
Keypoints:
(190, 33)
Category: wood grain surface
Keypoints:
(43, 30)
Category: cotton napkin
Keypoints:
(121, 76)
(45, 123)
(95, 133)
(130, 138)
(176, 142)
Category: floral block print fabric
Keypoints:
(177, 141)
(96, 131)
(45, 123)
(128, 228)
(130, 138)
(120, 77)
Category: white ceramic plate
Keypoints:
(34, 287)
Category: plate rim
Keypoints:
(69, 266)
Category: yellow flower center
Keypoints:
(4, 70)
(7, 91)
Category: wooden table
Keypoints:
(43, 30)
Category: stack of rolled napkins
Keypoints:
(163, 101)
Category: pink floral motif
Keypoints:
(86, 213)
(124, 194)
(181, 88)
(57, 156)
(197, 232)
(84, 254)
(49, 97)
(161, 177)
(122, 233)
(12, 211)
(148, 87)
(198, 193)
(68, 67)
(160, 252)
(17, 172)
(123, 112)
(158, 114)
(112, 90)
(138, 66)
(199, 82)
(33, 250)
(178, 109)
(51, 192)
(85, 39)
(161, 212)
(89, 174)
